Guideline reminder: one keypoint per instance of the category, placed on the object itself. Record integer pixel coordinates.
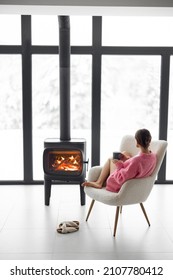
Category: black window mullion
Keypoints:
(96, 91)
(164, 102)
(27, 98)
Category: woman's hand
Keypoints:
(116, 160)
(125, 156)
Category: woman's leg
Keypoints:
(108, 168)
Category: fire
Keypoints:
(67, 161)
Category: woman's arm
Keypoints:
(126, 170)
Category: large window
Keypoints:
(130, 98)
(81, 30)
(45, 30)
(46, 103)
(137, 31)
(45, 73)
(119, 79)
(11, 159)
(10, 30)
(81, 99)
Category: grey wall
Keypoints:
(88, 7)
(107, 3)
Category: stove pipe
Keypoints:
(64, 69)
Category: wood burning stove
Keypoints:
(64, 159)
(64, 162)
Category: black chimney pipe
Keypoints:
(64, 68)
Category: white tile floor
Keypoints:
(28, 227)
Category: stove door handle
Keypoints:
(87, 162)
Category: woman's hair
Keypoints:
(143, 137)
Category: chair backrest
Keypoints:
(128, 143)
(138, 190)
(159, 147)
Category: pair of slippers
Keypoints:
(68, 227)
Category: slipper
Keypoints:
(74, 224)
(65, 229)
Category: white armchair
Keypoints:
(133, 191)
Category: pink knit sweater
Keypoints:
(141, 165)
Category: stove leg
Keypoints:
(82, 195)
(47, 191)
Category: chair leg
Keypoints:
(145, 214)
(121, 208)
(90, 208)
(116, 220)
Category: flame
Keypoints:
(67, 161)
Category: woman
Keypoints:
(116, 172)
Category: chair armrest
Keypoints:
(135, 190)
(94, 173)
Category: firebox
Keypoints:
(64, 162)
